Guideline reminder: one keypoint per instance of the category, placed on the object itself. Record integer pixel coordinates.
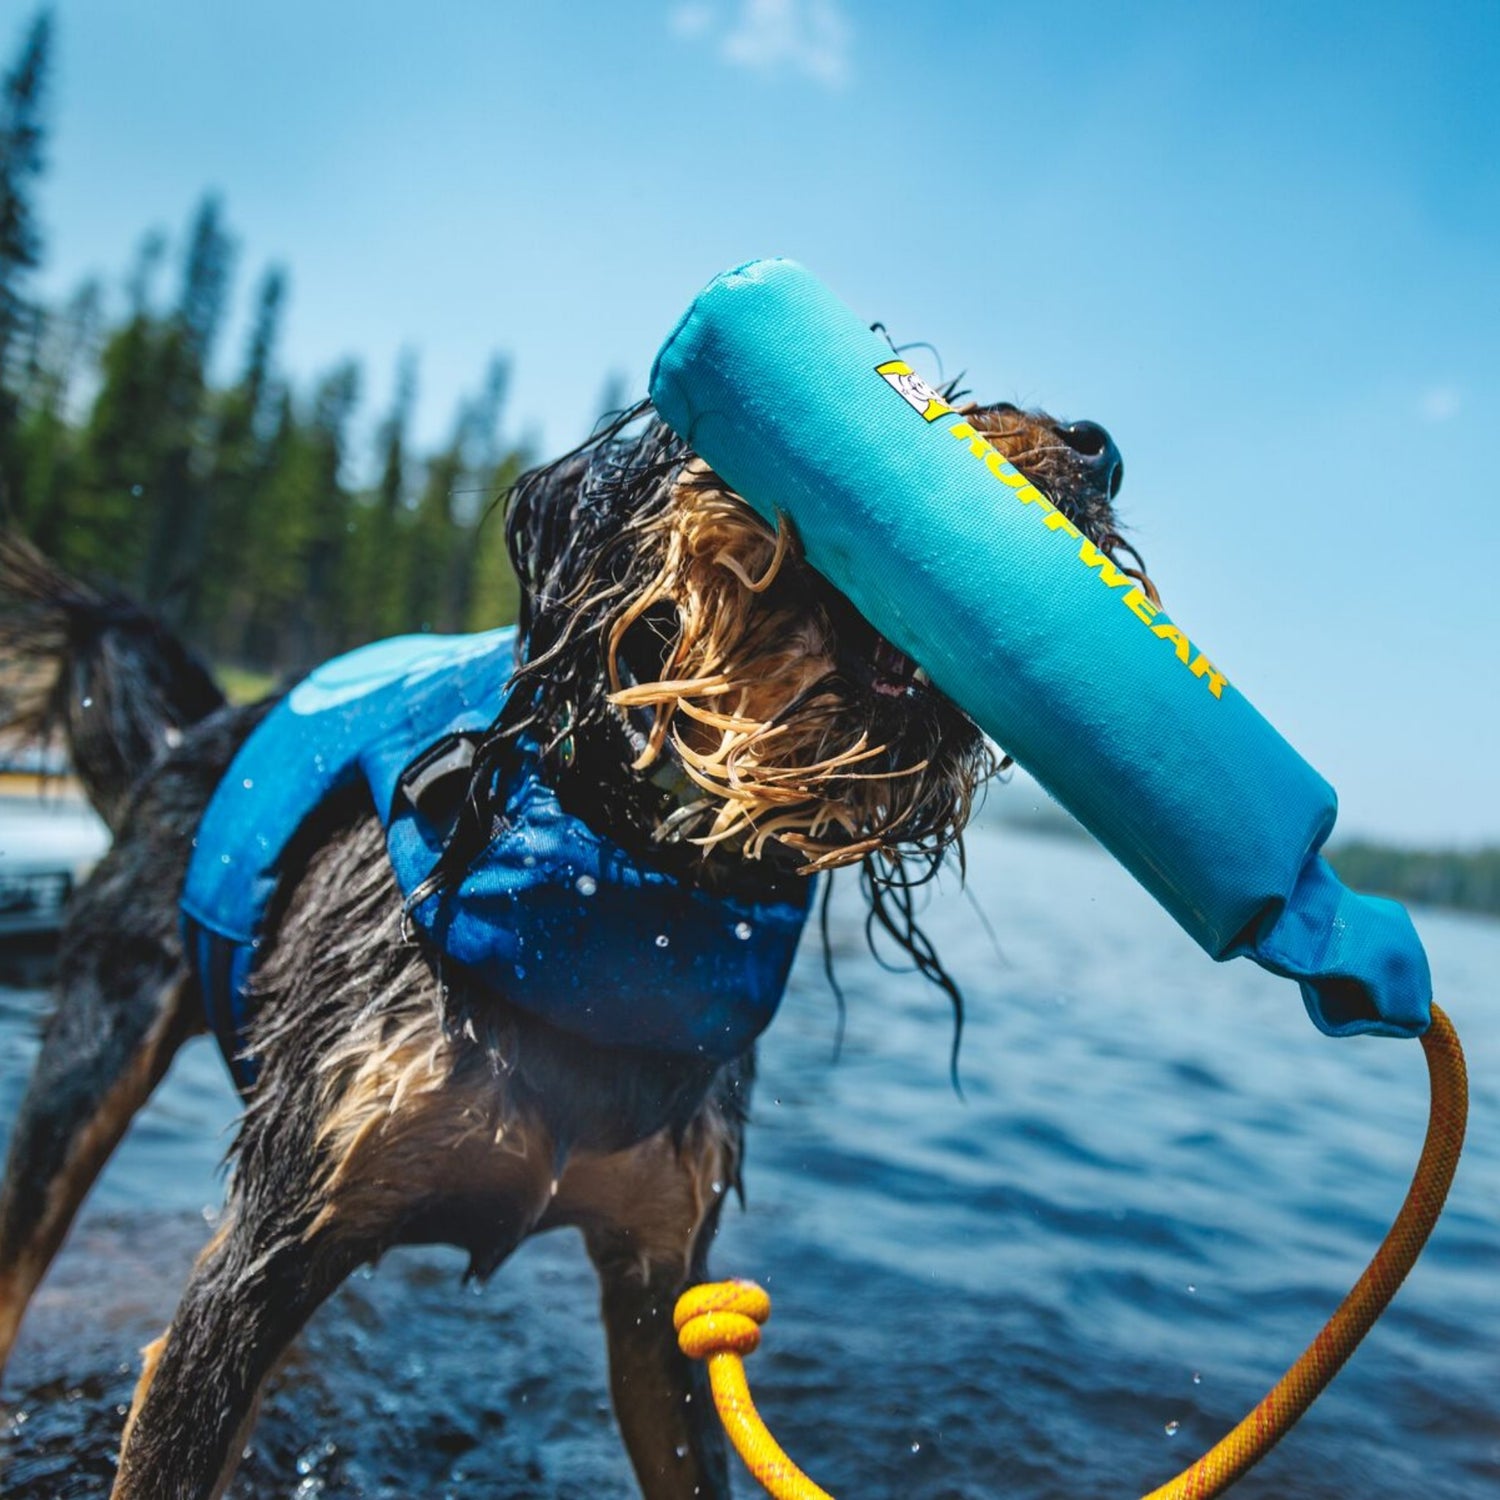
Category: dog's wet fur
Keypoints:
(702, 697)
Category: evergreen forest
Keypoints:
(226, 505)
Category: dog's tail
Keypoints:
(109, 676)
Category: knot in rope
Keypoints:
(720, 1317)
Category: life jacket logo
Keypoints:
(912, 389)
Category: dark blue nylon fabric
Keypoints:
(559, 919)
(949, 552)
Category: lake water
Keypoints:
(1159, 1182)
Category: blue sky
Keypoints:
(1260, 243)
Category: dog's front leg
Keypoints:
(648, 1216)
(252, 1289)
(661, 1398)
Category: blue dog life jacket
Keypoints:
(560, 920)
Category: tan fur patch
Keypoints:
(655, 1195)
(733, 673)
(150, 1358)
(408, 1116)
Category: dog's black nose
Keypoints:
(1097, 448)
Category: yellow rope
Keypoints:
(720, 1321)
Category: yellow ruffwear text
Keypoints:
(1133, 597)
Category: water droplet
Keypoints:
(224, 859)
(718, 1187)
(916, 1447)
(1171, 1429)
(586, 885)
(662, 940)
(680, 1450)
(137, 490)
(248, 783)
(88, 702)
(520, 971)
(742, 931)
(1191, 1287)
(529, 860)
(553, 1190)
(1197, 1378)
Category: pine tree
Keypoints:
(247, 421)
(482, 584)
(428, 544)
(176, 510)
(47, 441)
(483, 422)
(295, 568)
(118, 456)
(494, 595)
(21, 142)
(378, 555)
(329, 509)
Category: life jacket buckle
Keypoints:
(435, 781)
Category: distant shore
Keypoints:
(1460, 879)
(1465, 880)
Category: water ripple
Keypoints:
(1160, 1184)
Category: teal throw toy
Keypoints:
(1054, 651)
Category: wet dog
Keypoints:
(698, 695)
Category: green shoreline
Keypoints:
(1458, 879)
(1463, 880)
